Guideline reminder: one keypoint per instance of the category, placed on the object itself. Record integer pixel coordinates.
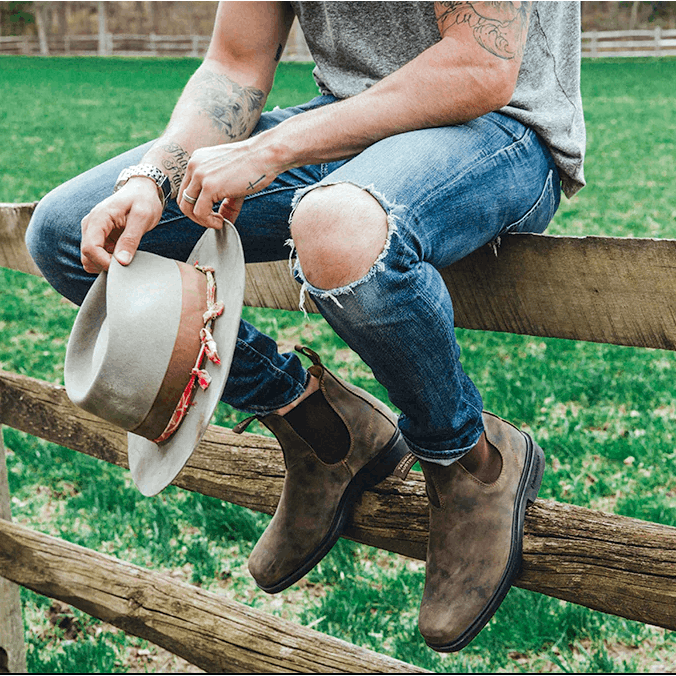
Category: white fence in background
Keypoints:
(656, 42)
(595, 44)
(111, 44)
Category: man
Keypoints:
(441, 126)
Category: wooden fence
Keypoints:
(617, 291)
(656, 42)
(595, 44)
(111, 44)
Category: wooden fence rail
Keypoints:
(648, 43)
(112, 44)
(657, 42)
(599, 289)
(603, 561)
(208, 630)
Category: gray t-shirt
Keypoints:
(355, 44)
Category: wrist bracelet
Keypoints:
(160, 179)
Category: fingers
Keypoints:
(216, 175)
(95, 254)
(115, 227)
(194, 200)
(197, 203)
(230, 208)
(129, 240)
(140, 219)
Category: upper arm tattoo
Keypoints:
(499, 27)
(232, 109)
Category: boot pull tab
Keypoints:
(404, 466)
(240, 427)
(310, 354)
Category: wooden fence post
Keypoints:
(103, 29)
(12, 648)
(594, 44)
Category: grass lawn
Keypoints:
(604, 415)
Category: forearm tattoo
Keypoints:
(252, 184)
(174, 165)
(232, 109)
(499, 27)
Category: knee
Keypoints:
(42, 235)
(338, 231)
(53, 241)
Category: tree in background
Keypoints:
(627, 15)
(84, 18)
(16, 18)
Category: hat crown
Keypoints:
(120, 349)
(136, 341)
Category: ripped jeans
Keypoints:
(446, 192)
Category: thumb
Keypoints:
(138, 223)
(127, 244)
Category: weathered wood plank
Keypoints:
(14, 219)
(610, 563)
(271, 285)
(208, 630)
(599, 289)
(12, 646)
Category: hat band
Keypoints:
(208, 349)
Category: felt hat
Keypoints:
(151, 349)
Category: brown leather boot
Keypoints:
(476, 533)
(325, 477)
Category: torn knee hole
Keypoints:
(333, 250)
(338, 235)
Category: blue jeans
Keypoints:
(446, 192)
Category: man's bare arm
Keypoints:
(214, 109)
(499, 27)
(471, 71)
(224, 98)
(221, 104)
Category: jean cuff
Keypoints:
(445, 457)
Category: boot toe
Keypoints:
(263, 567)
(446, 624)
(273, 564)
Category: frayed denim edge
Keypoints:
(392, 212)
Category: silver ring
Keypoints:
(188, 199)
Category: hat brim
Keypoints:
(154, 466)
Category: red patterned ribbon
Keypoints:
(198, 374)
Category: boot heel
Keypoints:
(537, 472)
(384, 463)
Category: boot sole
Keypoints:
(368, 476)
(529, 486)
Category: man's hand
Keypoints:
(116, 225)
(221, 103)
(228, 172)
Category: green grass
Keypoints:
(62, 116)
(605, 415)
